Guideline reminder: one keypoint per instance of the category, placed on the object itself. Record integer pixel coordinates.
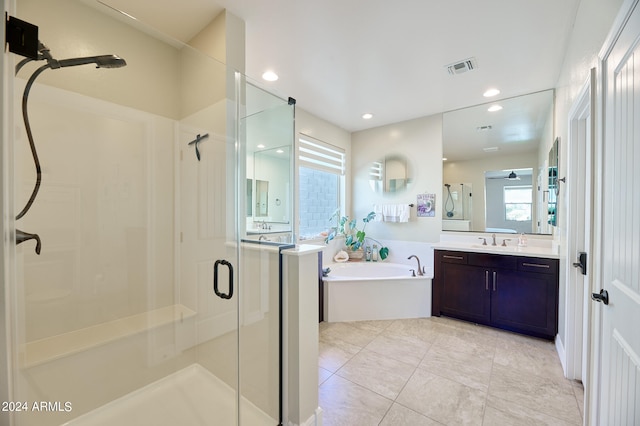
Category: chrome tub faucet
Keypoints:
(420, 268)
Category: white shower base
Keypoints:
(189, 397)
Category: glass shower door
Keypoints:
(266, 133)
(135, 311)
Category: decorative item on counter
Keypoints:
(426, 205)
(354, 237)
(367, 253)
(374, 254)
(522, 240)
(325, 272)
(341, 256)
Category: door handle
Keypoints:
(495, 280)
(582, 262)
(603, 296)
(215, 279)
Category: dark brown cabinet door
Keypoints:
(525, 302)
(466, 293)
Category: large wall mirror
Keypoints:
(495, 165)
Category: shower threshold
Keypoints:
(190, 397)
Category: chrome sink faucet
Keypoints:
(420, 268)
(494, 240)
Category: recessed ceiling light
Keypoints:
(260, 146)
(270, 76)
(444, 158)
(279, 151)
(494, 108)
(491, 92)
(367, 116)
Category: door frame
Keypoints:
(581, 166)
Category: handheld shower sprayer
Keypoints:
(44, 54)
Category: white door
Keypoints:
(619, 381)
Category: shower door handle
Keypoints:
(215, 279)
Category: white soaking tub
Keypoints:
(358, 291)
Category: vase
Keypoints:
(356, 255)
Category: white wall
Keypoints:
(420, 141)
(593, 22)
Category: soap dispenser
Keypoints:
(522, 240)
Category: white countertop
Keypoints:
(545, 251)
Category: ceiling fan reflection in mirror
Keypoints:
(508, 175)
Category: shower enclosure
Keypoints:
(147, 304)
(457, 207)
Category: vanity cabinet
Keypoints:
(514, 293)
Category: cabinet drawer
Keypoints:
(453, 256)
(492, 260)
(538, 265)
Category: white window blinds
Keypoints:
(319, 155)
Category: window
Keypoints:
(321, 183)
(517, 203)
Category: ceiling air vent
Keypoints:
(462, 66)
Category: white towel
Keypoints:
(403, 213)
(377, 209)
(395, 212)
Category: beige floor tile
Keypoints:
(423, 328)
(347, 404)
(554, 397)
(578, 390)
(372, 325)
(471, 366)
(377, 373)
(352, 333)
(442, 399)
(323, 375)
(495, 417)
(333, 356)
(399, 415)
(407, 349)
(468, 341)
(531, 356)
(466, 374)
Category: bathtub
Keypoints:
(358, 291)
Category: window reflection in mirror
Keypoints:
(477, 141)
(390, 174)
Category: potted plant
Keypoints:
(354, 238)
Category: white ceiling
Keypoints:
(342, 58)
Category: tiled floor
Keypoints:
(439, 371)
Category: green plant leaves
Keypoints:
(384, 252)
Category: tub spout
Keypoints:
(420, 268)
